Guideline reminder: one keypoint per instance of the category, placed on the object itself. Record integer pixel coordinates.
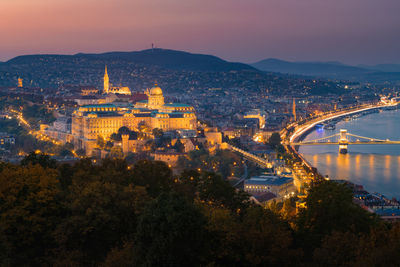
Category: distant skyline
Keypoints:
(350, 31)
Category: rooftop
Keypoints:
(263, 196)
(177, 105)
(100, 106)
(268, 180)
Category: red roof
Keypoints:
(138, 97)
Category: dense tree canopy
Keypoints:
(112, 214)
(164, 230)
(275, 139)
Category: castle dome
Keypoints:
(156, 90)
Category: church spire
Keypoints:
(106, 81)
(294, 110)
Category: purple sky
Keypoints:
(351, 31)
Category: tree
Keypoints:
(100, 142)
(157, 132)
(30, 210)
(143, 128)
(109, 145)
(120, 256)
(274, 140)
(218, 192)
(337, 249)
(267, 239)
(66, 153)
(42, 159)
(80, 152)
(330, 208)
(155, 176)
(116, 152)
(123, 130)
(102, 211)
(379, 247)
(179, 146)
(171, 232)
(255, 237)
(68, 146)
(109, 214)
(187, 184)
(115, 137)
(132, 158)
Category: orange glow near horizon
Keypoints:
(236, 30)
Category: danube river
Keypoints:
(376, 167)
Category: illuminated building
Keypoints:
(294, 110)
(91, 121)
(106, 82)
(89, 91)
(171, 158)
(256, 114)
(6, 139)
(108, 89)
(280, 186)
(20, 84)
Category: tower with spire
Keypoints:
(106, 87)
(294, 110)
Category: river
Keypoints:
(376, 167)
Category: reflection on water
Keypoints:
(379, 173)
(376, 167)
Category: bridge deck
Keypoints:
(348, 143)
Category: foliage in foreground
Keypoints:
(112, 215)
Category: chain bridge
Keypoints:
(344, 139)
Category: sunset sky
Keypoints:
(350, 31)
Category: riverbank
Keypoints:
(376, 166)
(299, 131)
(306, 127)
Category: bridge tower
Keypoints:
(343, 141)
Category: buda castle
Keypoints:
(91, 121)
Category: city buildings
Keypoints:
(264, 185)
(6, 138)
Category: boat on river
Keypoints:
(330, 126)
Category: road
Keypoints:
(300, 130)
(37, 134)
(293, 138)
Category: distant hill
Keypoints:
(325, 69)
(169, 59)
(138, 70)
(333, 70)
(383, 67)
